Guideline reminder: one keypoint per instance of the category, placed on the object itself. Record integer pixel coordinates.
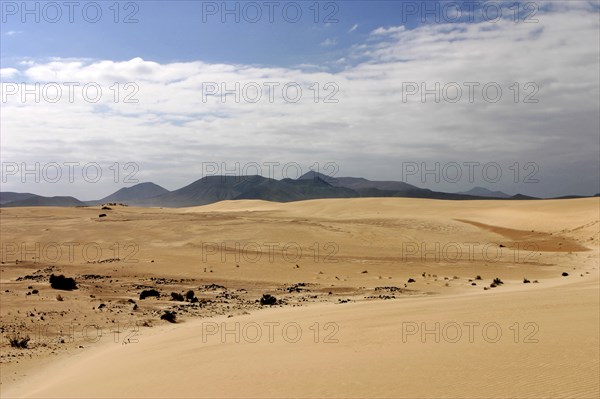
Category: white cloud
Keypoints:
(8, 73)
(13, 32)
(388, 31)
(353, 28)
(329, 42)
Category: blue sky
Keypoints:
(168, 31)
(369, 56)
(175, 31)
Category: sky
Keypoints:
(445, 95)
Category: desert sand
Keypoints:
(348, 322)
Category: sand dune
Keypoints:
(370, 355)
(366, 346)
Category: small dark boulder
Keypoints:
(525, 281)
(190, 295)
(102, 215)
(62, 283)
(169, 316)
(176, 297)
(565, 274)
(268, 299)
(411, 280)
(147, 293)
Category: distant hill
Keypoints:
(287, 190)
(7, 196)
(211, 189)
(359, 183)
(522, 197)
(386, 188)
(132, 195)
(38, 200)
(484, 192)
(312, 175)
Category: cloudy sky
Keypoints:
(443, 95)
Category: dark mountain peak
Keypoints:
(484, 192)
(8, 196)
(38, 200)
(146, 185)
(229, 179)
(522, 197)
(315, 181)
(312, 175)
(359, 183)
(134, 193)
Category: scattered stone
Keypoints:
(390, 289)
(177, 297)
(62, 283)
(16, 341)
(213, 287)
(148, 293)
(169, 316)
(268, 299)
(189, 295)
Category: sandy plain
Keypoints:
(348, 323)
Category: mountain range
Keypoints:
(210, 189)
